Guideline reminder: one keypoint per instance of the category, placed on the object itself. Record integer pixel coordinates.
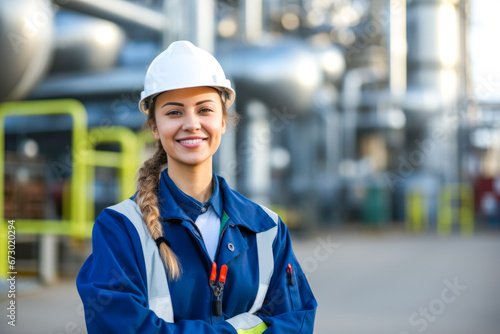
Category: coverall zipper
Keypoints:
(220, 242)
(200, 236)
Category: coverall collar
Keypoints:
(242, 212)
(191, 206)
(238, 209)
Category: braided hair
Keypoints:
(147, 199)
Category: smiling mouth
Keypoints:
(191, 141)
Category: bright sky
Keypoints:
(485, 49)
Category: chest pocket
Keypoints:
(256, 265)
(293, 292)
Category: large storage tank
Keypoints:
(26, 39)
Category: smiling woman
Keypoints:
(189, 123)
(188, 254)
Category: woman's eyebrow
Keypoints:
(173, 103)
(201, 102)
(181, 105)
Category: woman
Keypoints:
(187, 254)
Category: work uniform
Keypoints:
(124, 287)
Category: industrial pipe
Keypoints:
(354, 81)
(118, 11)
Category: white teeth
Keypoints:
(191, 141)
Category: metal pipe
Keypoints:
(48, 258)
(433, 81)
(354, 81)
(172, 10)
(433, 55)
(118, 11)
(465, 85)
(203, 24)
(192, 20)
(397, 48)
(251, 20)
(257, 149)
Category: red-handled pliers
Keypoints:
(218, 288)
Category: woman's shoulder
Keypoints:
(247, 210)
(122, 215)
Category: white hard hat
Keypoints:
(183, 65)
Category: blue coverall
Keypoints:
(113, 286)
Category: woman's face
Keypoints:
(189, 124)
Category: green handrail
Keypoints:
(78, 201)
(125, 161)
(77, 224)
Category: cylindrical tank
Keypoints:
(433, 81)
(433, 54)
(284, 75)
(84, 43)
(26, 40)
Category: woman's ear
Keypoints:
(154, 131)
(223, 125)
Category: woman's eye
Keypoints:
(173, 113)
(205, 110)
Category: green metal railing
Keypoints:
(78, 224)
(78, 195)
(126, 161)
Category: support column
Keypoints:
(257, 149)
(48, 258)
(192, 20)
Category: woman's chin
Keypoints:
(189, 161)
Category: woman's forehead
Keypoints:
(192, 94)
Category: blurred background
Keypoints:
(370, 126)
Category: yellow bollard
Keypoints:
(417, 211)
(456, 205)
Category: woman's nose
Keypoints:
(191, 122)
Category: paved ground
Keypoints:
(365, 283)
(395, 284)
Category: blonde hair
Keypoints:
(147, 199)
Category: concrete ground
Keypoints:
(373, 283)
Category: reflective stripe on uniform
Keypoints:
(266, 265)
(247, 323)
(158, 292)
